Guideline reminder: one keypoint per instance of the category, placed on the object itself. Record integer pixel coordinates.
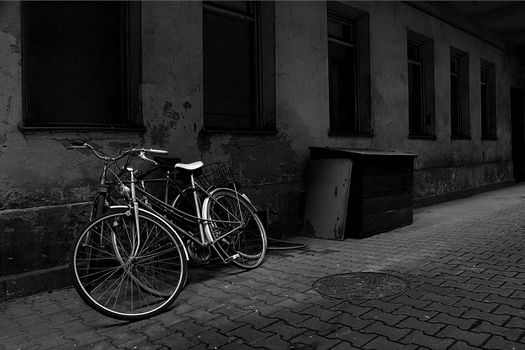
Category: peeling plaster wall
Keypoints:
(44, 188)
(443, 165)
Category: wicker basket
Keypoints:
(216, 175)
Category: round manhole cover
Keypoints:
(360, 285)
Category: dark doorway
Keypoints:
(518, 133)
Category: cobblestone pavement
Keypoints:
(464, 262)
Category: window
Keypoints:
(488, 100)
(459, 94)
(420, 54)
(81, 64)
(239, 66)
(349, 70)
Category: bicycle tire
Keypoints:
(121, 286)
(228, 211)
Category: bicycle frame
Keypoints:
(173, 214)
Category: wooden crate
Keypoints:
(381, 189)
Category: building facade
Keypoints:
(252, 83)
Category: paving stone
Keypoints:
(497, 342)
(355, 323)
(382, 343)
(418, 338)
(379, 328)
(419, 314)
(256, 320)
(462, 323)
(461, 345)
(389, 319)
(314, 341)
(321, 327)
(320, 312)
(273, 342)
(352, 309)
(424, 326)
(284, 330)
(480, 305)
(356, 338)
(515, 322)
(288, 316)
(508, 310)
(249, 335)
(513, 334)
(177, 340)
(486, 316)
(213, 338)
(474, 339)
(514, 302)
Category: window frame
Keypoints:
(263, 63)
(427, 110)
(360, 22)
(463, 100)
(489, 127)
(130, 65)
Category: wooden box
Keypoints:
(381, 189)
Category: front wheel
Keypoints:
(121, 278)
(233, 224)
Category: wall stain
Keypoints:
(187, 105)
(159, 135)
(203, 140)
(171, 113)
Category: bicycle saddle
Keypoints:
(189, 166)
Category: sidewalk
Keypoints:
(464, 261)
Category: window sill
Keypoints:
(350, 134)
(460, 138)
(240, 132)
(487, 138)
(58, 129)
(423, 137)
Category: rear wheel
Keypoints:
(122, 281)
(235, 227)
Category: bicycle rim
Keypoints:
(123, 285)
(229, 212)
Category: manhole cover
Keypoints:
(360, 285)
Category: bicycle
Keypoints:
(130, 261)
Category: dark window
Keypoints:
(349, 70)
(239, 65)
(81, 64)
(420, 54)
(459, 94)
(488, 100)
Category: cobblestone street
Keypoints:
(463, 260)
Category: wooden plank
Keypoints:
(386, 203)
(381, 222)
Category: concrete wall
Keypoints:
(44, 188)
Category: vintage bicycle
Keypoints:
(130, 262)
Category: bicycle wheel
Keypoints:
(233, 218)
(122, 282)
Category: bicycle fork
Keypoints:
(135, 239)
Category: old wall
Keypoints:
(44, 188)
(443, 165)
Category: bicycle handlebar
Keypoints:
(140, 152)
